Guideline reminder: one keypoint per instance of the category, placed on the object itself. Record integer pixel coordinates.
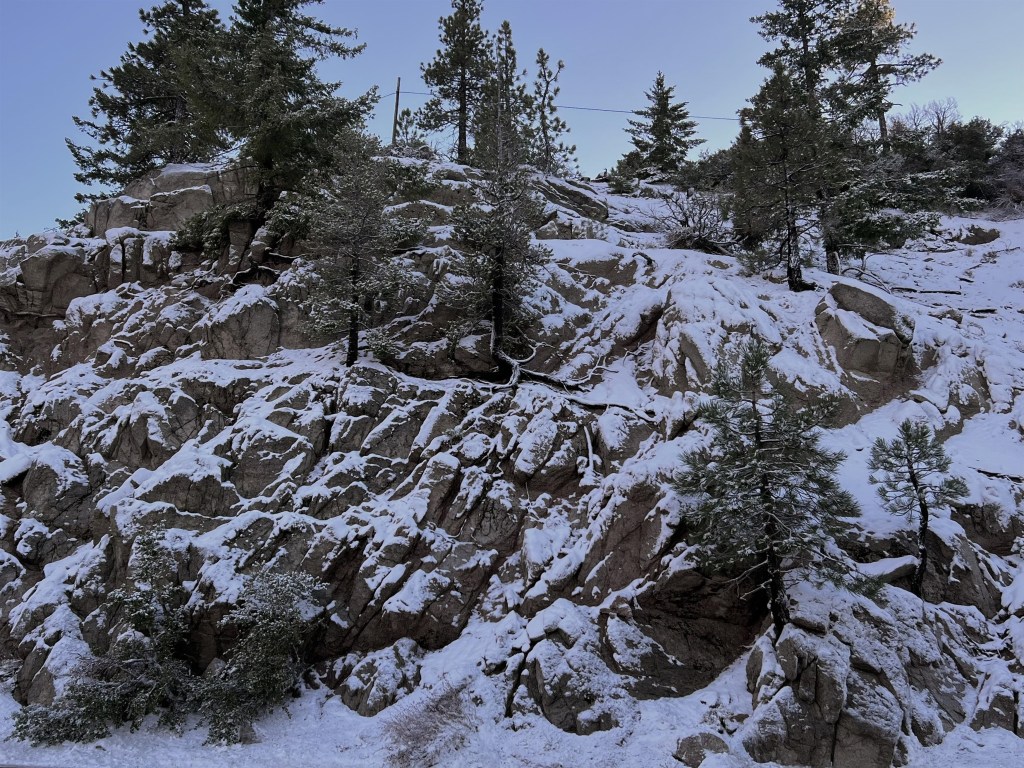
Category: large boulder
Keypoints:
(870, 336)
(167, 197)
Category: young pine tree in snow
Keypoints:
(355, 242)
(911, 473)
(496, 266)
(664, 133)
(550, 153)
(764, 498)
(160, 104)
(457, 74)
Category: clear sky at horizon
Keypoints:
(612, 49)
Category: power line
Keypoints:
(585, 109)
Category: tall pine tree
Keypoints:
(286, 117)
(160, 104)
(457, 74)
(664, 134)
(781, 166)
(497, 264)
(353, 239)
(845, 56)
(871, 50)
(504, 109)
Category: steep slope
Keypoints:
(505, 566)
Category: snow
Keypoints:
(641, 328)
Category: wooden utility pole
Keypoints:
(394, 124)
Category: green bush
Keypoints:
(139, 673)
(273, 617)
(207, 232)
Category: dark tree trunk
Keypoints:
(777, 602)
(883, 125)
(776, 589)
(353, 314)
(463, 148)
(922, 533)
(498, 314)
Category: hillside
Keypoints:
(507, 575)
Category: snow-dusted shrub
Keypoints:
(695, 220)
(138, 674)
(273, 617)
(423, 732)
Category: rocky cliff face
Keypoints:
(529, 532)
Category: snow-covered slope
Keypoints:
(507, 576)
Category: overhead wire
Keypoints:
(582, 109)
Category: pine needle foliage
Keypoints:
(355, 240)
(763, 497)
(664, 132)
(911, 472)
(550, 153)
(273, 618)
(140, 673)
(497, 264)
(159, 104)
(457, 74)
(286, 118)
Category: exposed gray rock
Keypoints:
(382, 678)
(692, 750)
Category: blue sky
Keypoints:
(612, 49)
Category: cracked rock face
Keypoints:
(144, 388)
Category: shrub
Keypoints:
(273, 617)
(138, 674)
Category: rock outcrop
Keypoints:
(534, 529)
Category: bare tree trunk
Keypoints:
(505, 367)
(463, 149)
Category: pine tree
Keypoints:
(911, 474)
(765, 497)
(286, 117)
(870, 49)
(354, 240)
(664, 134)
(457, 74)
(804, 30)
(550, 153)
(505, 105)
(781, 167)
(845, 56)
(157, 106)
(498, 262)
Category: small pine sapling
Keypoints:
(911, 474)
(763, 495)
